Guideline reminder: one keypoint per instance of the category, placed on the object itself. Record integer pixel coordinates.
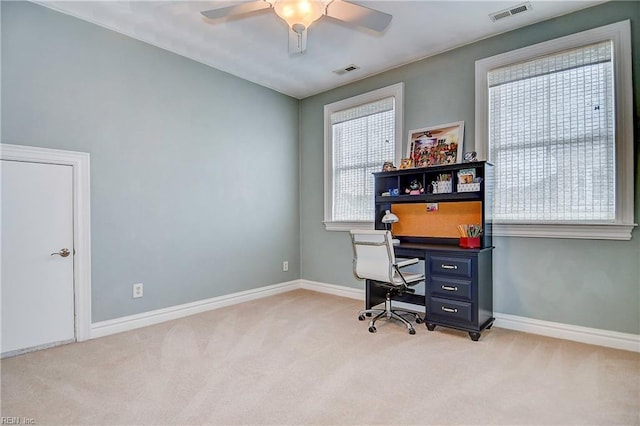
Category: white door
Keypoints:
(37, 275)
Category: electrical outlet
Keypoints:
(138, 290)
(285, 266)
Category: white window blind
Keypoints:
(552, 137)
(363, 139)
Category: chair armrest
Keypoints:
(406, 262)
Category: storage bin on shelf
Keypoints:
(442, 187)
(469, 187)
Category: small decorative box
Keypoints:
(469, 187)
(442, 187)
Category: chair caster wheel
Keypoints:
(372, 329)
(361, 317)
(430, 326)
(412, 331)
(419, 320)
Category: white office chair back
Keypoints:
(373, 255)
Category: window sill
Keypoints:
(579, 231)
(347, 226)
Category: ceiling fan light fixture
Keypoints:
(297, 13)
(300, 14)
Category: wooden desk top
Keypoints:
(437, 247)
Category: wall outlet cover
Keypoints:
(138, 290)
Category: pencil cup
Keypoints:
(469, 242)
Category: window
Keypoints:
(556, 121)
(361, 133)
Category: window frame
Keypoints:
(622, 227)
(395, 90)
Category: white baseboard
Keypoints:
(352, 293)
(132, 322)
(593, 336)
(337, 290)
(119, 325)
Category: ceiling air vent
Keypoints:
(347, 69)
(510, 12)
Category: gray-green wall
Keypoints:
(195, 177)
(580, 282)
(194, 172)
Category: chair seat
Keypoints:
(409, 278)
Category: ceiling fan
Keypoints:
(300, 14)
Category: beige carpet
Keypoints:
(304, 358)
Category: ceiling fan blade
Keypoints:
(238, 9)
(297, 42)
(358, 15)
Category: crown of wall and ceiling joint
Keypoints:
(347, 69)
(514, 10)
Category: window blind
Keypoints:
(552, 138)
(363, 139)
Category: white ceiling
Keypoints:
(255, 47)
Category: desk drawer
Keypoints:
(451, 309)
(450, 287)
(441, 265)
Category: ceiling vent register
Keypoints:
(510, 11)
(347, 69)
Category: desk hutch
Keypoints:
(459, 281)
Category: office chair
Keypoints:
(374, 259)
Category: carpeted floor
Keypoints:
(304, 358)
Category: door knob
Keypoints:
(64, 253)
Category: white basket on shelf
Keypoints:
(469, 187)
(442, 187)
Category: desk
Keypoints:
(458, 286)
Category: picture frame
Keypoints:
(436, 145)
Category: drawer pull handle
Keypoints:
(449, 266)
(450, 310)
(449, 288)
